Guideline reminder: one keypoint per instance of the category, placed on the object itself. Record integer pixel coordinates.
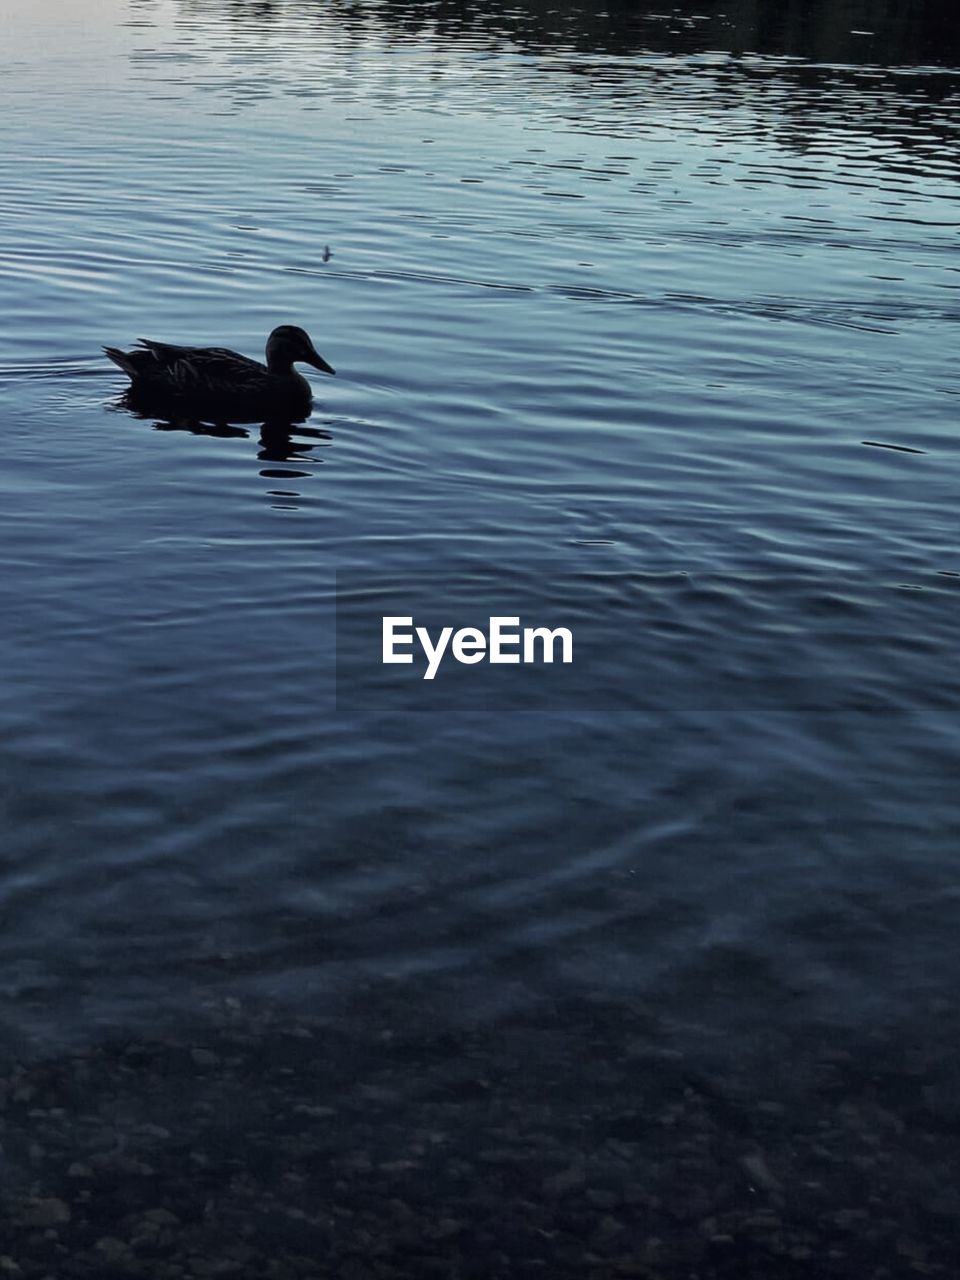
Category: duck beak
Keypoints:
(318, 362)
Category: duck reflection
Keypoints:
(277, 443)
(280, 441)
(222, 430)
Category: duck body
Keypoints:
(214, 383)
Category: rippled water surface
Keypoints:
(622, 304)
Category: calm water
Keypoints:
(615, 301)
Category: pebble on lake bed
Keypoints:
(49, 1212)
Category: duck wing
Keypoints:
(194, 368)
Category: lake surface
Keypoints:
(644, 323)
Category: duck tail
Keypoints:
(122, 359)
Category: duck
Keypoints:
(214, 382)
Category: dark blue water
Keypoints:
(615, 300)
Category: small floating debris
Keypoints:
(593, 542)
(900, 448)
(758, 1171)
(327, 255)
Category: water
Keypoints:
(615, 300)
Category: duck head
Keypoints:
(288, 345)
